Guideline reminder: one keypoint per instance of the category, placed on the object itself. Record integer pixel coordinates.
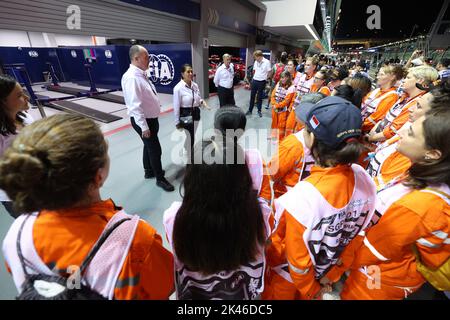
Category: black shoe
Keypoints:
(260, 114)
(164, 184)
(248, 113)
(150, 175)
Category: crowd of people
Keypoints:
(354, 204)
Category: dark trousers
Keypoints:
(257, 87)
(189, 130)
(151, 156)
(226, 96)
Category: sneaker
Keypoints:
(150, 175)
(165, 185)
(260, 114)
(248, 113)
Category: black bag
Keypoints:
(188, 116)
(47, 282)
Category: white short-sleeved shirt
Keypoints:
(261, 69)
(224, 77)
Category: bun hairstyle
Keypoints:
(52, 162)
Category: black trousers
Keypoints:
(257, 87)
(151, 156)
(189, 130)
(226, 96)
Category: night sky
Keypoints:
(398, 18)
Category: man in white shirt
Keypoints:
(262, 70)
(144, 108)
(223, 79)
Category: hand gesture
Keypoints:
(146, 134)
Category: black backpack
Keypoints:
(85, 292)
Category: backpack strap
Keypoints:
(110, 250)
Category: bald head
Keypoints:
(139, 57)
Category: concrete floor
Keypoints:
(126, 184)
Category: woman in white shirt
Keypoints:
(13, 117)
(186, 106)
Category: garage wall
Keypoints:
(224, 38)
(97, 18)
(234, 9)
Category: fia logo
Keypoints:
(161, 69)
(33, 54)
(108, 54)
(73, 53)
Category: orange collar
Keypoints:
(97, 208)
(317, 170)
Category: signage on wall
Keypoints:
(73, 53)
(160, 69)
(33, 54)
(205, 43)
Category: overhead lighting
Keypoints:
(311, 31)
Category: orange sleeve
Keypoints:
(291, 106)
(266, 189)
(273, 100)
(148, 271)
(397, 124)
(301, 267)
(286, 101)
(284, 160)
(275, 251)
(158, 273)
(379, 114)
(394, 233)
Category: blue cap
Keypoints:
(332, 120)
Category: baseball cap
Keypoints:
(333, 120)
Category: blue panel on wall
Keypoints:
(111, 63)
(34, 59)
(166, 61)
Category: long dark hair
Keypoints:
(347, 92)
(436, 130)
(7, 124)
(220, 224)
